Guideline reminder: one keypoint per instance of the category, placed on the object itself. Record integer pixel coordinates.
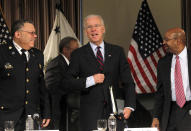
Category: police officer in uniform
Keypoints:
(22, 86)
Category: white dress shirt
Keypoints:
(184, 71)
(90, 80)
(67, 61)
(19, 50)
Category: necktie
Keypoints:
(180, 96)
(24, 55)
(99, 58)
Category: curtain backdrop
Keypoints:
(186, 19)
(42, 13)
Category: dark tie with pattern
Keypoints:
(100, 58)
(180, 96)
(24, 55)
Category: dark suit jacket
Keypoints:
(54, 72)
(163, 95)
(94, 99)
(22, 89)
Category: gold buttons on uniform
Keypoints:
(2, 107)
(27, 80)
(27, 91)
(8, 74)
(26, 102)
(10, 47)
(27, 69)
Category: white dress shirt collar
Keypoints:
(67, 61)
(94, 48)
(19, 50)
(182, 55)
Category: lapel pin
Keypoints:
(109, 55)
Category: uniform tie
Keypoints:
(24, 55)
(100, 58)
(180, 96)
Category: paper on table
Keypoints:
(140, 129)
(112, 100)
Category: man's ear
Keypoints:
(179, 41)
(103, 29)
(17, 34)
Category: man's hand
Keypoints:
(45, 122)
(155, 123)
(99, 78)
(127, 112)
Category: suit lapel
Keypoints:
(13, 51)
(168, 74)
(91, 58)
(107, 55)
(189, 64)
(31, 56)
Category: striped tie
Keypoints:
(180, 96)
(99, 58)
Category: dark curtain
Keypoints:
(186, 19)
(42, 13)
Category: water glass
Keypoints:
(102, 124)
(9, 125)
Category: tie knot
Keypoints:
(98, 47)
(23, 50)
(177, 57)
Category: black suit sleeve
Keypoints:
(44, 96)
(73, 78)
(127, 81)
(159, 95)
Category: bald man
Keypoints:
(172, 110)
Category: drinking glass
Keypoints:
(102, 124)
(9, 125)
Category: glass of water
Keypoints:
(9, 125)
(102, 124)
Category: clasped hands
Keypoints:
(99, 78)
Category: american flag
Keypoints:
(145, 51)
(5, 35)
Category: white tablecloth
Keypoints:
(140, 129)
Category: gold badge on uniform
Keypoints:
(8, 66)
(40, 66)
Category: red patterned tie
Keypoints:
(180, 96)
(99, 58)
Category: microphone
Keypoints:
(120, 117)
(36, 118)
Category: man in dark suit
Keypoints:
(172, 110)
(22, 86)
(93, 69)
(55, 70)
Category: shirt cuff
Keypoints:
(130, 108)
(90, 81)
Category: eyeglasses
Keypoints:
(166, 39)
(92, 26)
(30, 32)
